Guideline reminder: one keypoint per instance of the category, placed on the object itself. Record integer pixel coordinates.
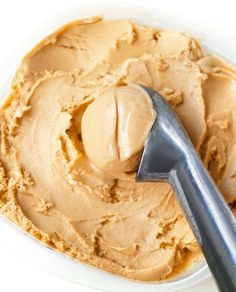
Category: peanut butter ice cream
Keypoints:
(115, 127)
(72, 133)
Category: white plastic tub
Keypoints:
(49, 259)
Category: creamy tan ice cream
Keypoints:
(73, 129)
(115, 127)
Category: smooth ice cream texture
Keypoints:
(115, 127)
(73, 130)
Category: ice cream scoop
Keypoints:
(170, 156)
(115, 127)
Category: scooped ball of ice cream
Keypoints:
(115, 127)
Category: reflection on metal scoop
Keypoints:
(170, 156)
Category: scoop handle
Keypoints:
(210, 218)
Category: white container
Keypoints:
(49, 259)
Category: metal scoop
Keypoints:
(170, 156)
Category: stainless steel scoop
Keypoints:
(170, 156)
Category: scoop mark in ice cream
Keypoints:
(49, 187)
